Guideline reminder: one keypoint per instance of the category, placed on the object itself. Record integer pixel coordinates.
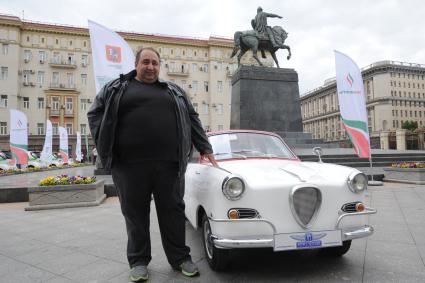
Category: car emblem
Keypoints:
(305, 203)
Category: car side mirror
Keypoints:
(318, 152)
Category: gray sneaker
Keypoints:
(188, 268)
(139, 273)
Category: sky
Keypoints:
(367, 31)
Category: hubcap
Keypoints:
(207, 239)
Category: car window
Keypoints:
(245, 145)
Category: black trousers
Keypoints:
(135, 183)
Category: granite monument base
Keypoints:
(265, 98)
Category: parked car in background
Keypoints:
(34, 160)
(6, 163)
(262, 195)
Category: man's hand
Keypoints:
(211, 158)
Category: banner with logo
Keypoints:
(78, 148)
(63, 144)
(112, 55)
(46, 155)
(19, 136)
(352, 103)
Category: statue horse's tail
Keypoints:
(237, 40)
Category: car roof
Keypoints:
(213, 133)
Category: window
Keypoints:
(206, 86)
(195, 86)
(195, 106)
(220, 109)
(70, 59)
(55, 79)
(206, 108)
(68, 128)
(84, 60)
(26, 77)
(5, 49)
(83, 129)
(85, 43)
(3, 128)
(3, 101)
(56, 58)
(70, 78)
(55, 128)
(40, 77)
(194, 67)
(26, 101)
(68, 105)
(55, 103)
(4, 73)
(27, 55)
(40, 102)
(83, 103)
(42, 56)
(83, 79)
(219, 86)
(205, 69)
(40, 129)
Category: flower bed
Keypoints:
(39, 169)
(66, 191)
(406, 172)
(66, 180)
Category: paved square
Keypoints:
(88, 245)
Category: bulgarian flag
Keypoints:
(19, 136)
(352, 104)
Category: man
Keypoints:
(144, 129)
(260, 24)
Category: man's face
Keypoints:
(148, 67)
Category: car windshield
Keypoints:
(3, 156)
(247, 145)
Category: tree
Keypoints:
(410, 125)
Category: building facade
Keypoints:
(394, 93)
(46, 72)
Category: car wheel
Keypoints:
(337, 251)
(217, 258)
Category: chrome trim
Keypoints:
(357, 233)
(249, 243)
(368, 210)
(245, 220)
(294, 213)
(293, 174)
(346, 235)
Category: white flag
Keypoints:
(19, 136)
(63, 144)
(352, 104)
(78, 148)
(46, 155)
(112, 55)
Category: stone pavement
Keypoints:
(88, 245)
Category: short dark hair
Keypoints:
(146, 48)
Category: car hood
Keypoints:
(291, 172)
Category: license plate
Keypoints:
(307, 240)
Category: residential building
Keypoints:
(394, 93)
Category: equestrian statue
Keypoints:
(262, 37)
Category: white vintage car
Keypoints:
(262, 195)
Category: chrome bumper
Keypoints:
(347, 234)
(269, 243)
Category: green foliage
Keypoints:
(409, 125)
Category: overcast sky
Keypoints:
(366, 30)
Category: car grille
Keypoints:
(306, 202)
(350, 207)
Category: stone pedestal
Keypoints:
(384, 137)
(66, 196)
(265, 99)
(401, 139)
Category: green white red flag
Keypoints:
(19, 136)
(352, 103)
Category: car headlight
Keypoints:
(357, 182)
(233, 188)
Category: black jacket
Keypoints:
(103, 115)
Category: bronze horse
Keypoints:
(247, 40)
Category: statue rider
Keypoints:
(260, 25)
